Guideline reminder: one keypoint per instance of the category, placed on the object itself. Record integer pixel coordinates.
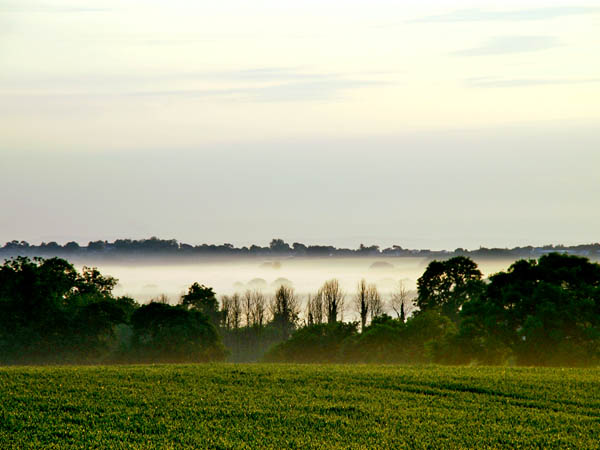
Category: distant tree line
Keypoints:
(277, 248)
(537, 312)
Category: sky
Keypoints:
(428, 124)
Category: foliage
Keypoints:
(170, 333)
(545, 312)
(49, 311)
(203, 299)
(447, 285)
(316, 343)
(285, 310)
(333, 299)
(388, 340)
(249, 344)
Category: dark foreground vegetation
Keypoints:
(298, 406)
(539, 312)
(50, 313)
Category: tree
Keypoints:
(333, 299)
(173, 333)
(420, 339)
(447, 285)
(400, 302)
(50, 312)
(231, 308)
(318, 343)
(259, 308)
(95, 324)
(71, 246)
(361, 303)
(203, 299)
(375, 301)
(254, 308)
(96, 246)
(161, 298)
(92, 281)
(314, 309)
(299, 248)
(279, 246)
(247, 307)
(285, 310)
(381, 342)
(544, 312)
(370, 250)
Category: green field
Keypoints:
(296, 406)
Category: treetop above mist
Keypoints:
(277, 248)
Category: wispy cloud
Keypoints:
(492, 82)
(253, 75)
(267, 74)
(267, 84)
(28, 6)
(477, 15)
(511, 44)
(312, 90)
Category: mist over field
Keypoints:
(146, 281)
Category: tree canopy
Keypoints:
(50, 312)
(447, 285)
(545, 312)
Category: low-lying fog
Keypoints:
(146, 281)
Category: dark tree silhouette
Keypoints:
(447, 285)
(285, 310)
(279, 246)
(333, 299)
(545, 312)
(49, 311)
(317, 343)
(361, 303)
(173, 333)
(314, 309)
(203, 299)
(400, 302)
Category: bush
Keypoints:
(320, 343)
(174, 334)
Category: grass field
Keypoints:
(293, 406)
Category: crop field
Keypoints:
(298, 406)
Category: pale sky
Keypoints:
(424, 124)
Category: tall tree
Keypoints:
(202, 298)
(314, 309)
(400, 302)
(285, 310)
(333, 299)
(231, 309)
(375, 301)
(257, 304)
(361, 303)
